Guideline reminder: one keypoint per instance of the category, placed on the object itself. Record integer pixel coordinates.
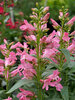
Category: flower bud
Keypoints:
(45, 9)
(34, 9)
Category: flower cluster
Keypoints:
(33, 53)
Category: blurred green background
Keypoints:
(55, 5)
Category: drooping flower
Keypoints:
(25, 95)
(27, 27)
(53, 81)
(18, 44)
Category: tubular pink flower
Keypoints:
(25, 95)
(48, 53)
(18, 44)
(66, 37)
(46, 9)
(46, 17)
(73, 33)
(55, 24)
(71, 22)
(52, 80)
(50, 37)
(27, 27)
(30, 38)
(72, 46)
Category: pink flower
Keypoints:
(25, 95)
(30, 38)
(27, 27)
(32, 51)
(73, 33)
(50, 37)
(27, 57)
(46, 9)
(46, 84)
(55, 24)
(72, 46)
(71, 22)
(9, 98)
(46, 17)
(48, 53)
(1, 62)
(1, 70)
(59, 87)
(15, 72)
(61, 14)
(18, 44)
(44, 26)
(52, 80)
(66, 37)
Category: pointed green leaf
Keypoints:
(19, 84)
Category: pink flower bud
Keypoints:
(73, 33)
(46, 9)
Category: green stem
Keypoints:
(40, 96)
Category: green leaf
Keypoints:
(64, 93)
(53, 63)
(47, 73)
(67, 54)
(19, 84)
(2, 91)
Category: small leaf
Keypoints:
(19, 84)
(64, 93)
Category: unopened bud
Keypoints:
(5, 41)
(34, 9)
(37, 4)
(45, 9)
(67, 14)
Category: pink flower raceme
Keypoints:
(25, 95)
(27, 27)
(9, 98)
(53, 81)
